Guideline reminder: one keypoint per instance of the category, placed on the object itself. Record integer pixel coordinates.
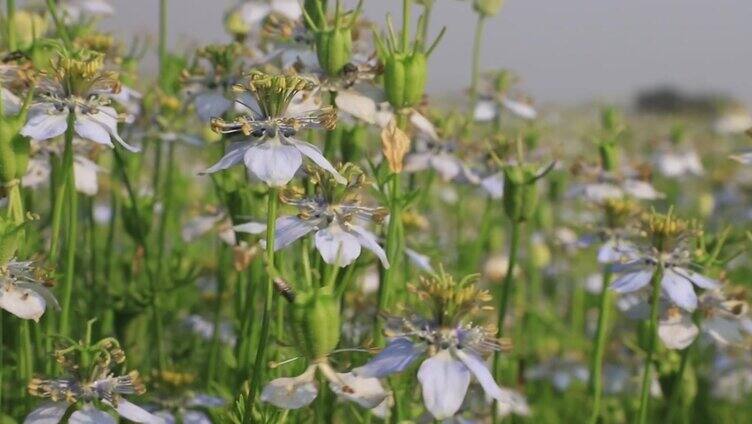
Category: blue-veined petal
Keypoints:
(395, 357)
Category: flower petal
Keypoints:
(368, 240)
(273, 162)
(677, 331)
(395, 357)
(415, 162)
(312, 152)
(723, 330)
(679, 290)
(485, 111)
(444, 382)
(289, 229)
(494, 185)
(697, 279)
(106, 120)
(211, 104)
(632, 281)
(90, 415)
(234, 155)
(289, 8)
(446, 165)
(366, 392)
(136, 413)
(45, 122)
(521, 109)
(47, 413)
(196, 417)
(357, 105)
(85, 172)
(251, 227)
(423, 125)
(481, 373)
(290, 393)
(337, 246)
(22, 302)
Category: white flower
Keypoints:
(254, 12)
(676, 283)
(453, 357)
(300, 391)
(272, 153)
(21, 293)
(77, 10)
(85, 170)
(104, 387)
(725, 321)
(487, 110)
(48, 120)
(338, 240)
(677, 164)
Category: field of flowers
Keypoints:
(287, 228)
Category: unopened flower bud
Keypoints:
(488, 7)
(315, 322)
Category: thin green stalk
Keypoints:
(258, 368)
(676, 385)
(392, 252)
(655, 300)
(406, 4)
(162, 49)
(141, 239)
(596, 365)
(11, 13)
(475, 71)
(61, 29)
(514, 247)
(71, 199)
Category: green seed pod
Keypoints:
(520, 193)
(333, 49)
(315, 321)
(609, 156)
(488, 7)
(415, 79)
(311, 7)
(394, 80)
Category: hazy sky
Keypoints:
(565, 50)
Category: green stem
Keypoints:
(596, 366)
(61, 29)
(72, 201)
(676, 385)
(141, 240)
(258, 368)
(514, 247)
(393, 254)
(406, 24)
(11, 12)
(655, 299)
(475, 71)
(162, 49)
